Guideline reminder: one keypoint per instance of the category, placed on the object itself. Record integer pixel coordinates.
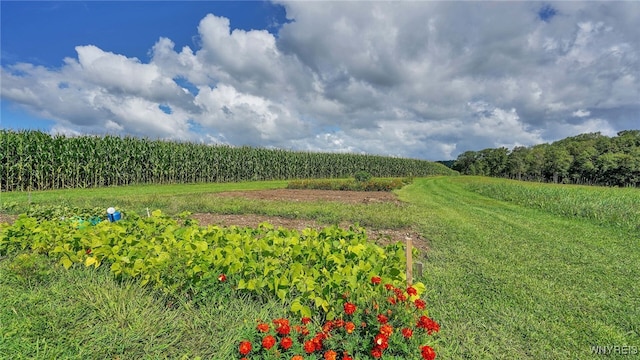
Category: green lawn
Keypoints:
(505, 281)
(509, 282)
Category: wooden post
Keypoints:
(409, 262)
(419, 268)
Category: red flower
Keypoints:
(412, 291)
(262, 327)
(327, 326)
(407, 333)
(309, 346)
(286, 343)
(306, 320)
(376, 280)
(388, 286)
(381, 341)
(222, 277)
(349, 327)
(245, 347)
(391, 300)
(427, 324)
(282, 326)
(88, 251)
(349, 308)
(427, 352)
(376, 352)
(382, 319)
(268, 342)
(345, 356)
(330, 355)
(420, 304)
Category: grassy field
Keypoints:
(506, 280)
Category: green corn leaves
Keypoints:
(33, 160)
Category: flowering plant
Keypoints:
(390, 322)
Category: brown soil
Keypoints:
(379, 236)
(4, 218)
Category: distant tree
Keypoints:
(465, 163)
(536, 160)
(496, 160)
(517, 162)
(590, 158)
(558, 162)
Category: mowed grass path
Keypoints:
(507, 282)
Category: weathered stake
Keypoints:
(409, 261)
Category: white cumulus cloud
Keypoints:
(419, 79)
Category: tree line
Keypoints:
(590, 159)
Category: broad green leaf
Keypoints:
(66, 262)
(90, 261)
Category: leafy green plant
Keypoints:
(362, 176)
(351, 184)
(305, 269)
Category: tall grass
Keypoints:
(603, 205)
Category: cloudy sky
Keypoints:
(416, 79)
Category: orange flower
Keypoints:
(376, 352)
(222, 278)
(262, 327)
(382, 319)
(350, 327)
(376, 280)
(407, 333)
(330, 355)
(297, 357)
(327, 326)
(245, 347)
(386, 330)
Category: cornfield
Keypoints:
(33, 160)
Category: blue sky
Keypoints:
(45, 32)
(419, 79)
